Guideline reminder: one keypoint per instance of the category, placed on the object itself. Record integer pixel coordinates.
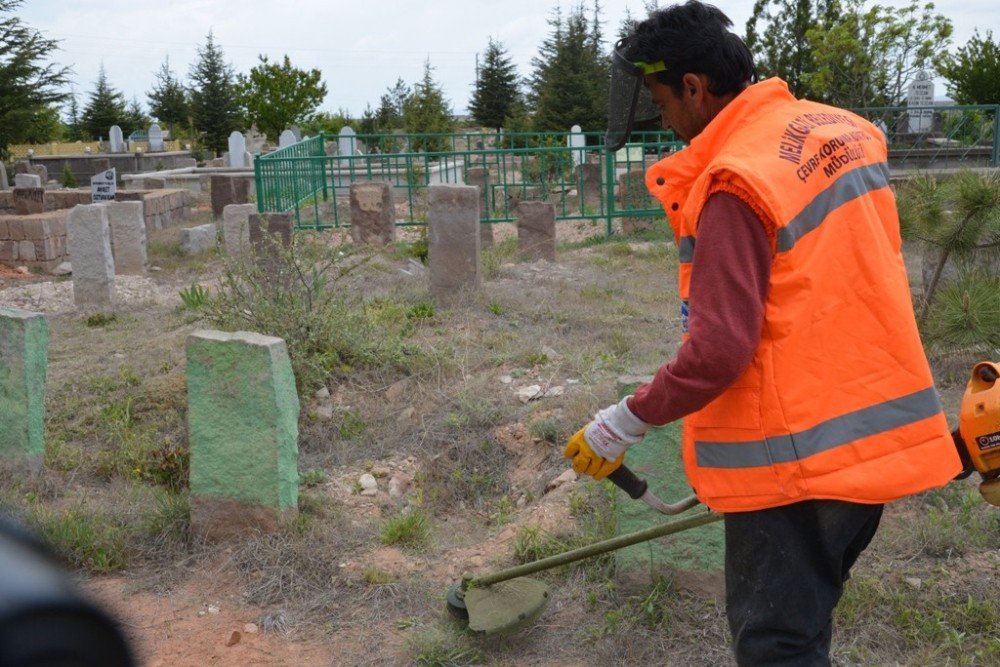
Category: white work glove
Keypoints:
(614, 429)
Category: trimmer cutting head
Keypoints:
(502, 608)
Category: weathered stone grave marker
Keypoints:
(237, 150)
(88, 239)
(287, 138)
(116, 141)
(128, 236)
(453, 239)
(536, 230)
(155, 138)
(372, 213)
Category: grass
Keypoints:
(411, 529)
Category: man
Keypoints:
(807, 400)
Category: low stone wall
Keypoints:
(85, 166)
(36, 241)
(161, 208)
(55, 200)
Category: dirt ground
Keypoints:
(585, 324)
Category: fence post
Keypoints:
(322, 164)
(258, 182)
(995, 161)
(609, 187)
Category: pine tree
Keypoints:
(27, 86)
(496, 90)
(73, 130)
(426, 111)
(135, 119)
(168, 101)
(570, 82)
(105, 107)
(390, 109)
(214, 105)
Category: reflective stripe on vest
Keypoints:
(848, 186)
(822, 437)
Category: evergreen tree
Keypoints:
(390, 109)
(973, 72)
(105, 107)
(570, 81)
(214, 106)
(426, 111)
(28, 88)
(496, 90)
(73, 129)
(776, 35)
(168, 101)
(135, 119)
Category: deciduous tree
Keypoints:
(973, 72)
(776, 35)
(28, 86)
(276, 96)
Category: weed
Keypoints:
(407, 529)
(536, 359)
(431, 647)
(547, 429)
(421, 311)
(169, 466)
(312, 477)
(374, 576)
(86, 539)
(61, 456)
(68, 180)
(495, 308)
(466, 472)
(100, 319)
(194, 297)
(491, 259)
(171, 517)
(351, 425)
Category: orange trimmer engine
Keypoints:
(978, 434)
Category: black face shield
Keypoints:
(629, 103)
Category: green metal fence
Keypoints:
(584, 182)
(939, 136)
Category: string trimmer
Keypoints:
(507, 601)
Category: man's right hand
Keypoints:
(585, 461)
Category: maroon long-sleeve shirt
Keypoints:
(729, 279)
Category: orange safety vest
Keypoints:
(839, 401)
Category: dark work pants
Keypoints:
(785, 570)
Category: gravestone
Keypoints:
(346, 142)
(589, 180)
(255, 140)
(453, 239)
(228, 189)
(99, 164)
(270, 234)
(287, 138)
(41, 171)
(198, 239)
(22, 167)
(116, 140)
(27, 181)
(237, 150)
(103, 186)
(633, 194)
(128, 236)
(4, 183)
(88, 240)
(155, 139)
(243, 415)
(480, 178)
(536, 230)
(578, 141)
(294, 129)
(236, 228)
(372, 213)
(28, 201)
(920, 94)
(24, 349)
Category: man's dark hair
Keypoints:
(694, 38)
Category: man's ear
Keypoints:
(694, 85)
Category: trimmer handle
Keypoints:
(629, 482)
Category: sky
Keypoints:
(361, 47)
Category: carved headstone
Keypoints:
(128, 236)
(287, 138)
(920, 94)
(27, 181)
(4, 183)
(116, 140)
(480, 177)
(88, 239)
(453, 239)
(103, 186)
(536, 230)
(155, 139)
(237, 150)
(577, 140)
(372, 213)
(346, 142)
(228, 189)
(28, 201)
(633, 195)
